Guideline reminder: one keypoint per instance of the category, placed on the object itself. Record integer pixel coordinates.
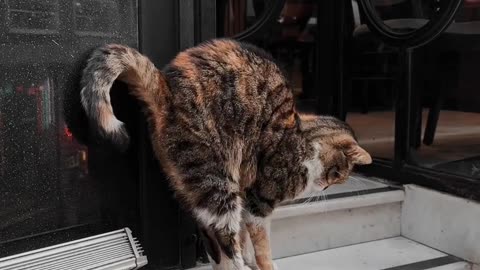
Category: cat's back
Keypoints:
(221, 65)
(218, 57)
(225, 81)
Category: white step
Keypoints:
(346, 218)
(396, 253)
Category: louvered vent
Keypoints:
(116, 250)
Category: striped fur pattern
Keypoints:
(225, 130)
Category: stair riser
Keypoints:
(442, 221)
(315, 232)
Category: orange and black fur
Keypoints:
(224, 128)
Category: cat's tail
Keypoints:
(117, 62)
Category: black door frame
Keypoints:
(169, 234)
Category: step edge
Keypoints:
(294, 210)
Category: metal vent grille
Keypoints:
(116, 250)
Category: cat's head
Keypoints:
(332, 153)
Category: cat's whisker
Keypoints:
(311, 199)
(307, 200)
(362, 184)
(359, 187)
(359, 181)
(324, 197)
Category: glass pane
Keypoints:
(38, 16)
(93, 16)
(449, 97)
(48, 180)
(398, 9)
(405, 15)
(370, 97)
(290, 40)
(375, 128)
(237, 16)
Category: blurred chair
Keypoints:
(463, 36)
(437, 63)
(374, 63)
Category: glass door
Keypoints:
(51, 183)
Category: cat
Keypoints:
(225, 130)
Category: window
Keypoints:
(436, 135)
(95, 17)
(449, 99)
(33, 17)
(290, 38)
(50, 182)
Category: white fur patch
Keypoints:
(230, 221)
(112, 125)
(314, 170)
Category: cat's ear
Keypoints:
(357, 155)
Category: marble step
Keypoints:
(397, 253)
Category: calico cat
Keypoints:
(225, 130)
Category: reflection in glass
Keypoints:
(237, 16)
(405, 15)
(96, 17)
(32, 16)
(449, 134)
(401, 9)
(370, 106)
(48, 180)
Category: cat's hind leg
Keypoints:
(219, 260)
(209, 187)
(218, 208)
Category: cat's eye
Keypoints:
(333, 173)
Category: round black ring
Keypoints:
(413, 39)
(270, 14)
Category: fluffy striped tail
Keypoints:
(116, 62)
